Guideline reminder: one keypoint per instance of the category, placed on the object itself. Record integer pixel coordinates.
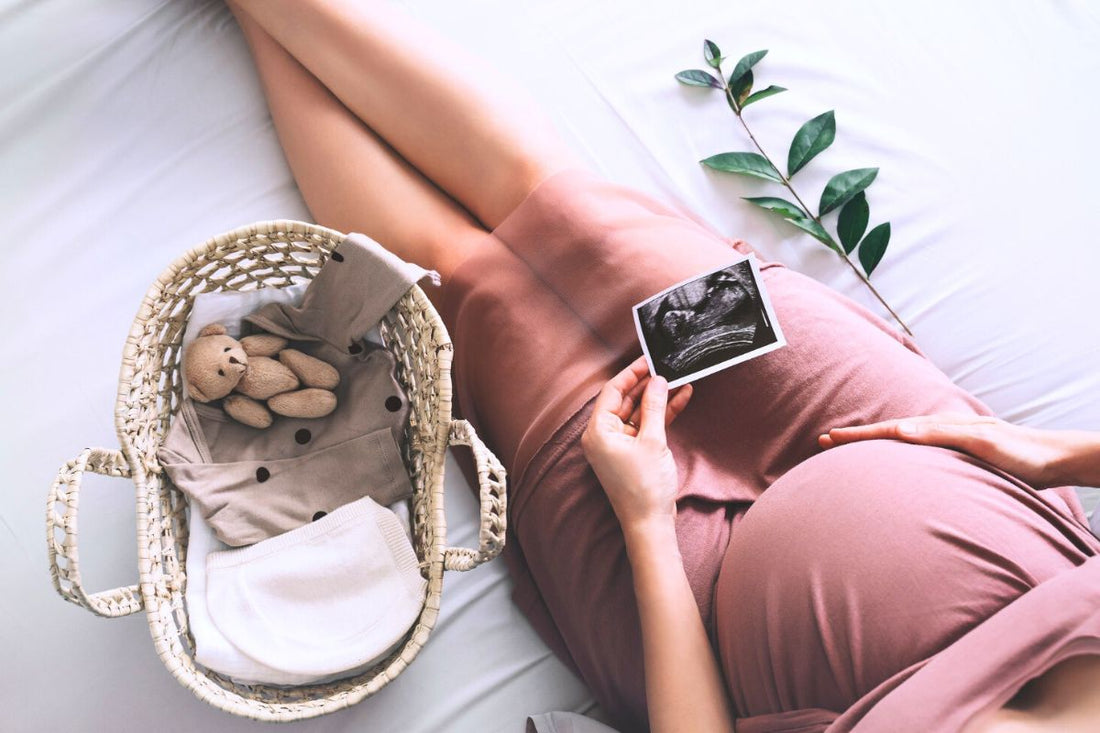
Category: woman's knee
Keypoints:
(520, 173)
(443, 244)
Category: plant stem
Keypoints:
(806, 209)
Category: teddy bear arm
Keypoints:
(263, 344)
(247, 410)
(312, 371)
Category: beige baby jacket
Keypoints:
(252, 484)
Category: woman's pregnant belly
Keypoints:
(868, 559)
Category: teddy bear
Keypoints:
(258, 376)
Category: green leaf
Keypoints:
(873, 247)
(698, 78)
(816, 231)
(712, 54)
(745, 65)
(811, 139)
(852, 222)
(795, 215)
(742, 88)
(780, 206)
(843, 186)
(773, 89)
(747, 164)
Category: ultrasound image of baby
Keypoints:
(707, 323)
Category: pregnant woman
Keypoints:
(785, 586)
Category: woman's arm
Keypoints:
(1079, 464)
(683, 684)
(1042, 458)
(684, 687)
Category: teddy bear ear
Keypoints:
(214, 329)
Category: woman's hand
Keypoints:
(625, 443)
(1041, 458)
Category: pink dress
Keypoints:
(826, 579)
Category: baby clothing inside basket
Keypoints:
(331, 584)
(251, 484)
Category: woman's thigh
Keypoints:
(871, 558)
(522, 358)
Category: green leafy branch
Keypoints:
(845, 191)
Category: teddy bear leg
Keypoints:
(310, 402)
(247, 410)
(312, 371)
(263, 344)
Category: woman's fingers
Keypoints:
(948, 431)
(614, 393)
(628, 411)
(607, 401)
(620, 398)
(624, 398)
(677, 402)
(839, 436)
(902, 429)
(1037, 457)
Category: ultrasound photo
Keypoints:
(708, 323)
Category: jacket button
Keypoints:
(303, 436)
(262, 474)
(318, 515)
(337, 256)
(393, 403)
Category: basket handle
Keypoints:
(61, 513)
(494, 502)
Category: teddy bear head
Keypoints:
(214, 364)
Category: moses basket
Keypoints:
(266, 254)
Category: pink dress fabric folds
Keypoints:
(821, 576)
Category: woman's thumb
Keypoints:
(654, 401)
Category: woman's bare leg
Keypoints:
(478, 136)
(350, 179)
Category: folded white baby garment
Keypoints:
(328, 597)
(212, 649)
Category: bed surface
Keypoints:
(132, 130)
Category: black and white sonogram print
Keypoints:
(708, 323)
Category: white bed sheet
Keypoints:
(131, 130)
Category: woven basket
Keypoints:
(266, 254)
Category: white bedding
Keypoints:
(131, 130)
